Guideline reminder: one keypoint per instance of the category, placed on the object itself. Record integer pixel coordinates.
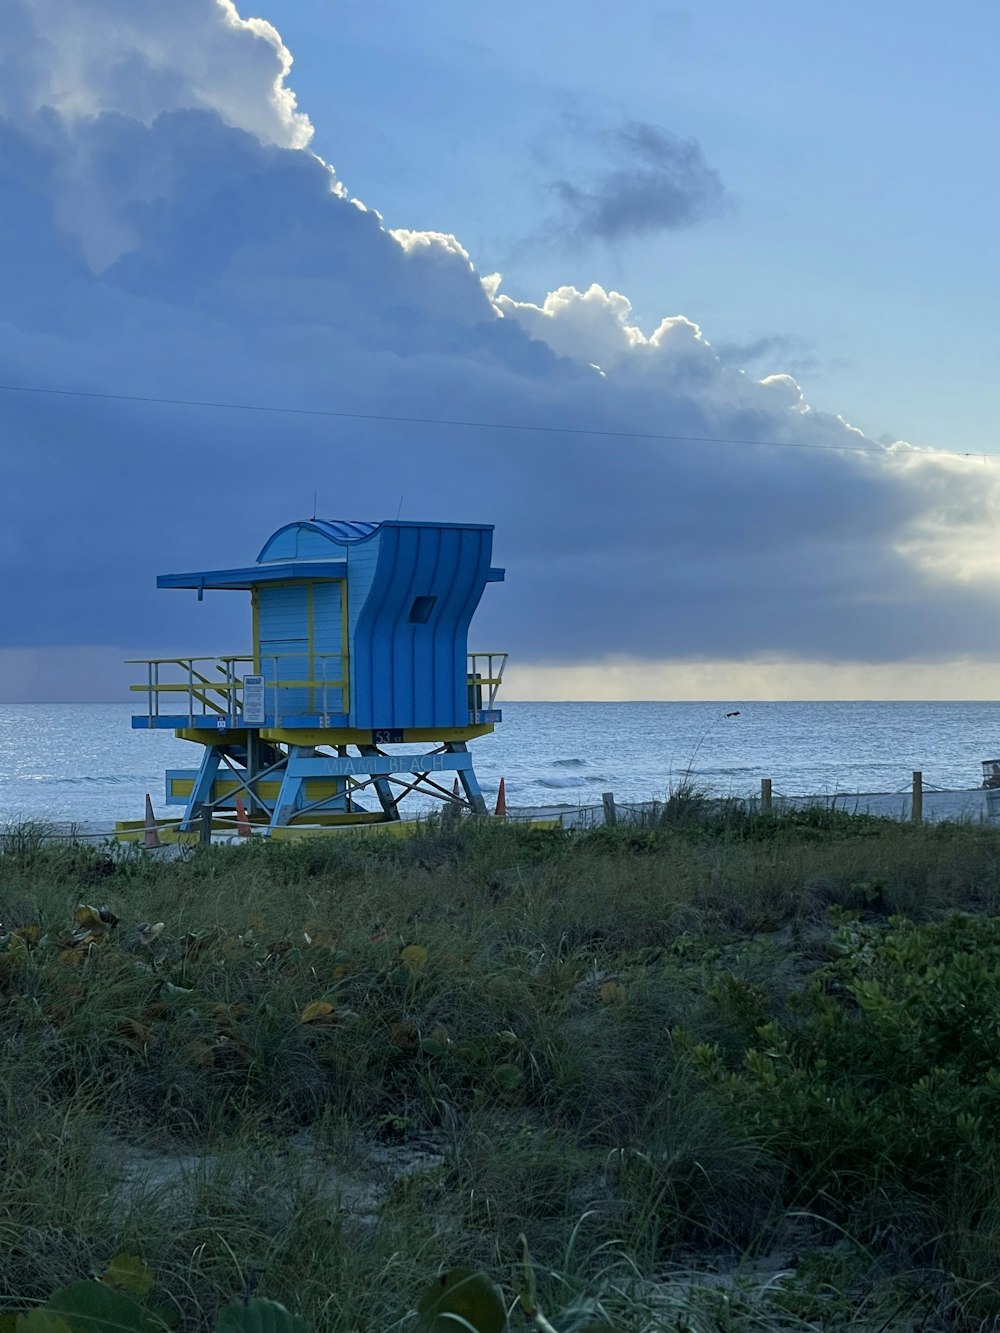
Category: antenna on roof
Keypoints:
(399, 509)
(314, 504)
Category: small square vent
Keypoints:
(420, 611)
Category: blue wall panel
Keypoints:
(406, 674)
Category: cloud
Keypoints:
(141, 59)
(655, 181)
(177, 240)
(794, 354)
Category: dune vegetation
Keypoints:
(731, 1071)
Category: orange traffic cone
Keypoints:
(501, 811)
(242, 822)
(151, 835)
(455, 791)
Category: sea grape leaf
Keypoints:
(319, 938)
(509, 1077)
(459, 1301)
(97, 919)
(405, 1035)
(320, 1013)
(38, 1320)
(92, 1307)
(259, 1316)
(128, 1273)
(612, 992)
(413, 956)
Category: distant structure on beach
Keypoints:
(359, 691)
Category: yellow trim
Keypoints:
(345, 671)
(391, 828)
(133, 830)
(310, 641)
(204, 736)
(314, 789)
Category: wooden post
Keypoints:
(205, 821)
(610, 813)
(917, 805)
(765, 795)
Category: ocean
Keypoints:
(83, 763)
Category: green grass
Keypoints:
(343, 1065)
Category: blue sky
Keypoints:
(855, 143)
(642, 234)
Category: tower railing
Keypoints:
(297, 684)
(485, 677)
(212, 687)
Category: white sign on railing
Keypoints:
(253, 701)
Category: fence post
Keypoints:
(205, 824)
(765, 795)
(917, 803)
(610, 813)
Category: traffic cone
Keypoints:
(151, 835)
(455, 795)
(242, 822)
(501, 811)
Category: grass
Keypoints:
(343, 1065)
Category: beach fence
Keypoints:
(918, 802)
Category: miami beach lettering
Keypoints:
(372, 765)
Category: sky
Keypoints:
(729, 270)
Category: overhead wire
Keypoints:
(401, 419)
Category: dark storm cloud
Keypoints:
(179, 255)
(654, 181)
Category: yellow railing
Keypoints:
(485, 671)
(213, 686)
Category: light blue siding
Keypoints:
(327, 639)
(281, 546)
(283, 626)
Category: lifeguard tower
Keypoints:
(360, 691)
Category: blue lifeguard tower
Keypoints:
(360, 690)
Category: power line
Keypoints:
(479, 425)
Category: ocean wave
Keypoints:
(569, 763)
(103, 780)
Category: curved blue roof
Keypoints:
(340, 530)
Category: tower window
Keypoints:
(420, 611)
